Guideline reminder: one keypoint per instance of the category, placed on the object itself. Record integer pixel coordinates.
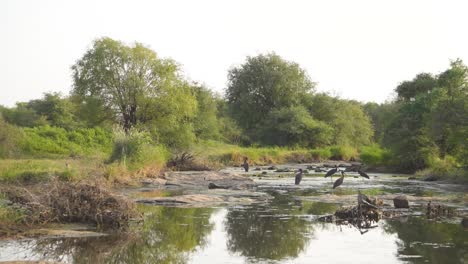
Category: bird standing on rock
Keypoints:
(298, 178)
(331, 172)
(339, 181)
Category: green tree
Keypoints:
(22, 115)
(264, 83)
(351, 124)
(122, 76)
(57, 111)
(408, 136)
(381, 115)
(449, 123)
(422, 83)
(206, 119)
(294, 126)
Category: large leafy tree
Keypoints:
(430, 119)
(422, 83)
(263, 83)
(449, 115)
(206, 120)
(351, 125)
(294, 126)
(123, 77)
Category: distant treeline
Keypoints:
(268, 102)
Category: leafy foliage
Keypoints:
(47, 141)
(429, 121)
(121, 77)
(264, 83)
(295, 127)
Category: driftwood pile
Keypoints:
(363, 215)
(66, 202)
(186, 162)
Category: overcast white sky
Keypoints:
(358, 49)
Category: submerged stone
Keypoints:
(400, 202)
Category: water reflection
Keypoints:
(168, 235)
(433, 242)
(284, 230)
(272, 231)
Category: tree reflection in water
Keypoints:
(435, 242)
(168, 235)
(274, 231)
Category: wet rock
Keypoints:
(310, 167)
(400, 202)
(464, 222)
(62, 233)
(264, 172)
(258, 169)
(327, 218)
(411, 178)
(215, 186)
(431, 178)
(272, 168)
(283, 170)
(201, 178)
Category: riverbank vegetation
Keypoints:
(131, 114)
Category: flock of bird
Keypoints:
(340, 180)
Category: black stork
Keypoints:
(298, 177)
(331, 172)
(363, 174)
(339, 181)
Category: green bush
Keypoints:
(321, 153)
(10, 136)
(343, 153)
(47, 141)
(375, 155)
(137, 149)
(33, 171)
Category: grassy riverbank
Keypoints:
(69, 161)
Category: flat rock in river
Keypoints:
(211, 197)
(204, 178)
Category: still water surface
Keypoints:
(283, 230)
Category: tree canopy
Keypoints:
(264, 83)
(122, 78)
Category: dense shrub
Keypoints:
(375, 155)
(137, 149)
(321, 153)
(10, 136)
(343, 153)
(48, 141)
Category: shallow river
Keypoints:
(283, 229)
